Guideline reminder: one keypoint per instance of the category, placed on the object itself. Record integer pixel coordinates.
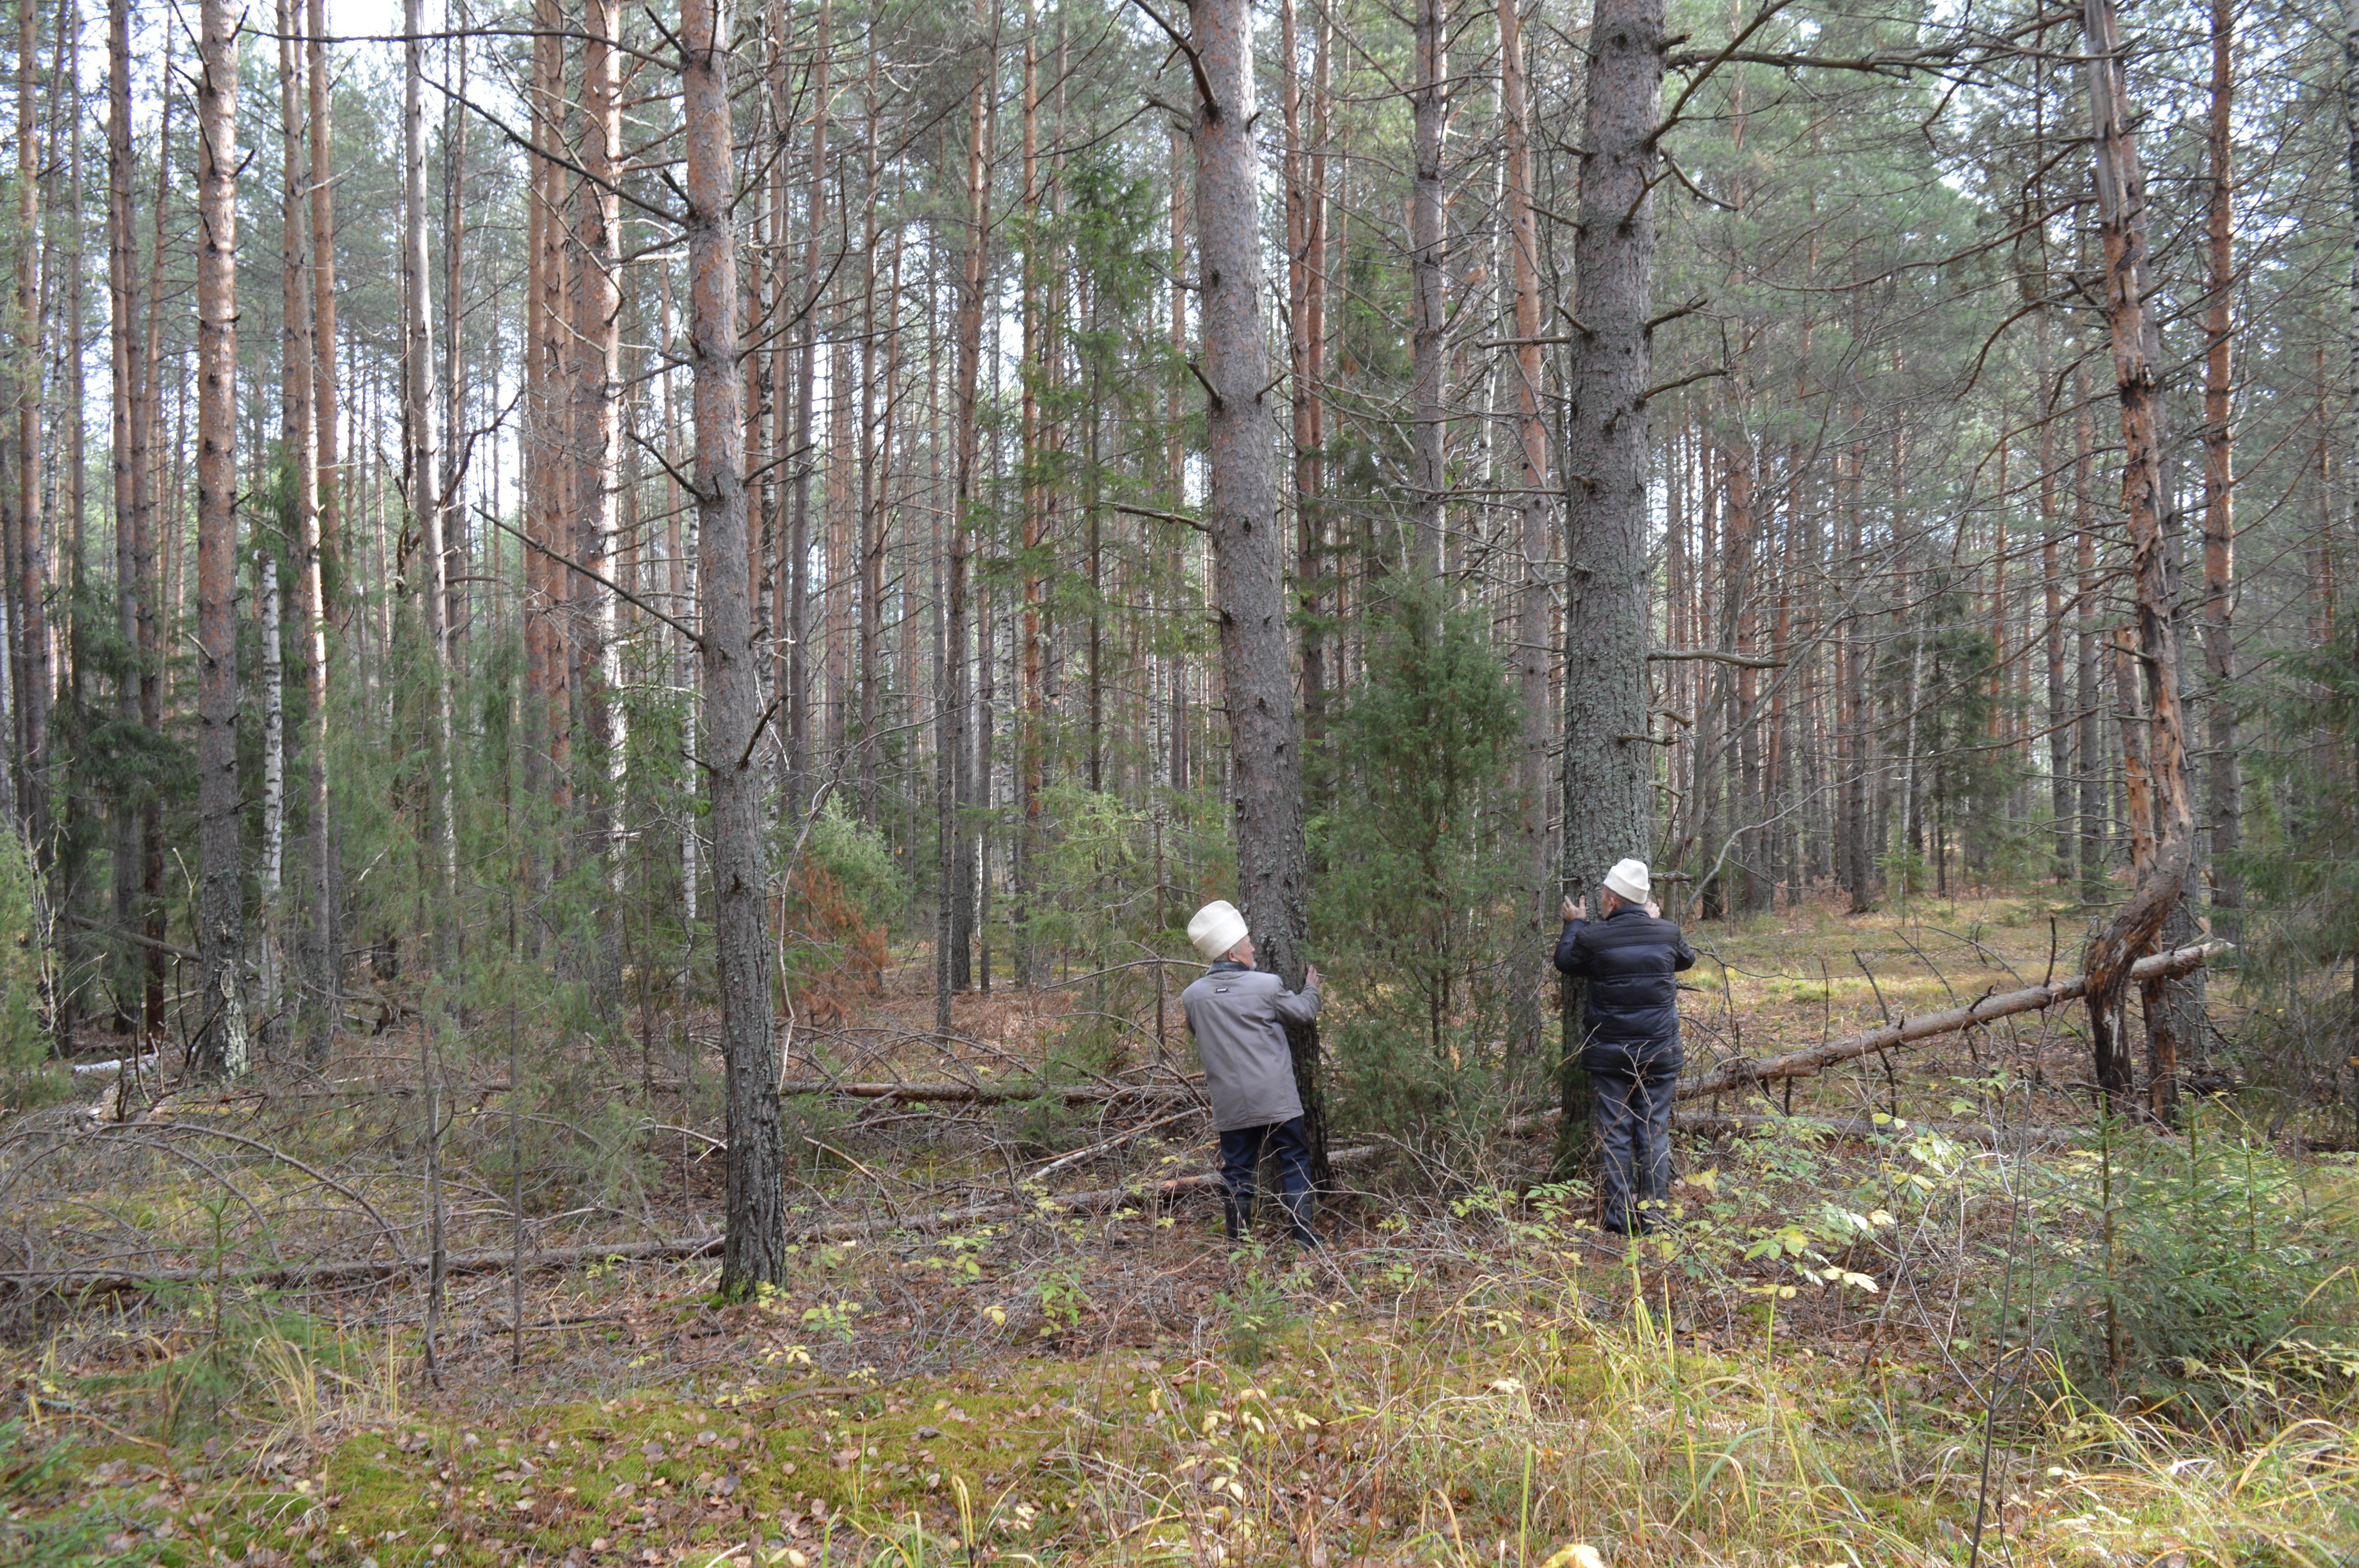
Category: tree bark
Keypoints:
(273, 783)
(220, 1045)
(597, 329)
(1531, 660)
(794, 667)
(754, 1251)
(1305, 244)
(2161, 809)
(955, 930)
(1429, 243)
(1608, 813)
(1242, 514)
(317, 539)
(420, 418)
(295, 397)
(145, 463)
(30, 621)
(2224, 808)
(127, 364)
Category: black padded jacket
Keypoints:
(1628, 959)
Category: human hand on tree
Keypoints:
(1576, 908)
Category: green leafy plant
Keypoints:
(1062, 1302)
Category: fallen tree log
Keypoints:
(1816, 1059)
(1982, 1132)
(989, 1094)
(370, 1271)
(1710, 1122)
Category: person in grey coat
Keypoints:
(1238, 1015)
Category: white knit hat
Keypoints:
(1217, 927)
(1629, 879)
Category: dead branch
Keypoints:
(1816, 1059)
(986, 1094)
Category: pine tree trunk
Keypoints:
(876, 456)
(795, 667)
(1608, 813)
(1306, 220)
(955, 935)
(2160, 810)
(1531, 660)
(221, 1046)
(30, 621)
(753, 1252)
(296, 396)
(1429, 243)
(128, 374)
(454, 379)
(1242, 514)
(2224, 808)
(146, 461)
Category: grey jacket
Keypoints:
(1235, 1013)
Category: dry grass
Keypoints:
(1468, 1375)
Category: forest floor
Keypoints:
(1868, 1348)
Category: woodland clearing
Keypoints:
(1863, 1347)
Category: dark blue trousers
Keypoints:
(1634, 1085)
(1241, 1152)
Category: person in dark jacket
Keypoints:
(1238, 1015)
(1631, 1049)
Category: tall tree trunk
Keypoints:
(221, 1047)
(1033, 373)
(125, 356)
(597, 329)
(31, 617)
(1429, 255)
(754, 1253)
(273, 783)
(955, 930)
(454, 379)
(297, 370)
(2351, 176)
(147, 463)
(419, 419)
(1241, 513)
(2161, 809)
(794, 669)
(875, 455)
(2088, 739)
(1306, 245)
(2224, 808)
(1532, 472)
(1608, 812)
(544, 425)
(319, 537)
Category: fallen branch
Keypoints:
(1816, 1059)
(986, 1094)
(97, 1281)
(1982, 1132)
(1710, 1122)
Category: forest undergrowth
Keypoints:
(1974, 1323)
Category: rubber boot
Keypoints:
(1237, 1213)
(1297, 1219)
